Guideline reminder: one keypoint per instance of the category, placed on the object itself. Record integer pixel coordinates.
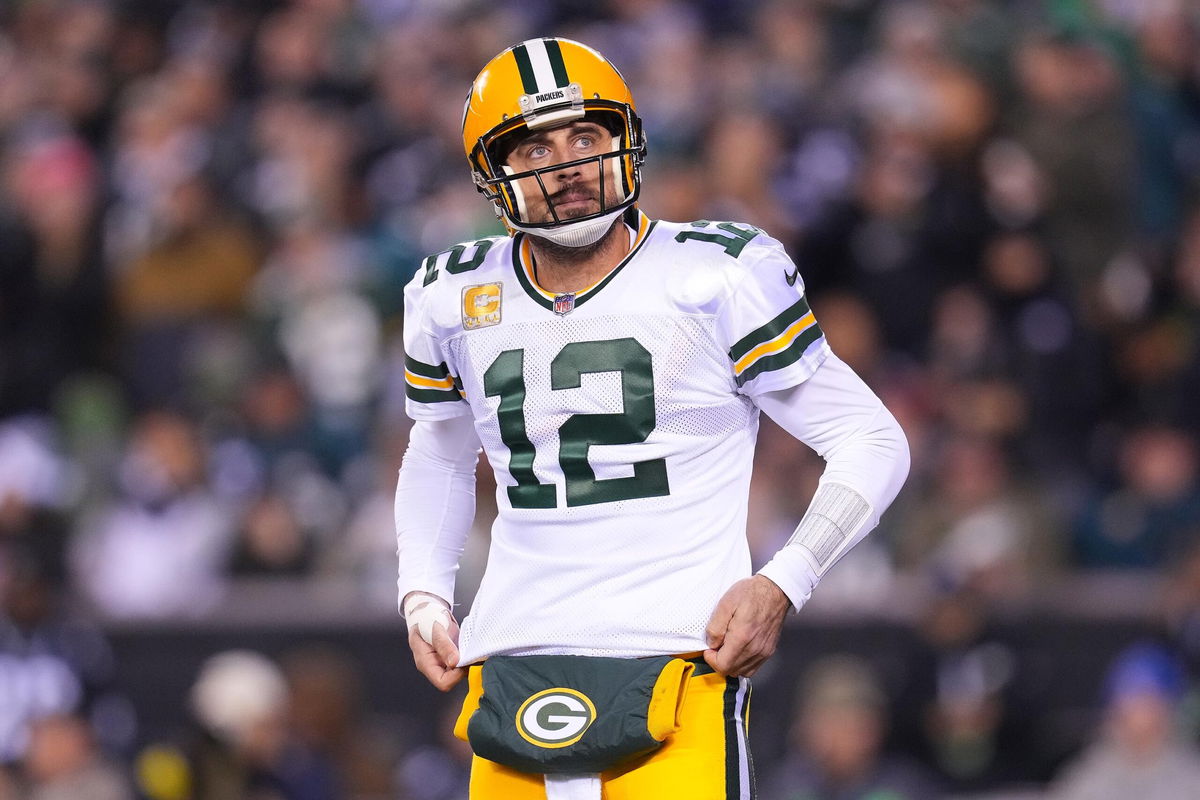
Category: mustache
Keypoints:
(571, 194)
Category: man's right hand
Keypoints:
(437, 660)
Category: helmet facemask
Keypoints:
(619, 172)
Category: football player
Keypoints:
(612, 368)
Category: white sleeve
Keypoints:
(435, 505)
(431, 390)
(867, 461)
(766, 326)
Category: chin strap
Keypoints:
(574, 234)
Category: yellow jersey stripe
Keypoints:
(780, 342)
(428, 383)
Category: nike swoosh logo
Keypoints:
(791, 277)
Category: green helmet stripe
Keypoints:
(556, 63)
(525, 67)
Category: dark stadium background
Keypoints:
(208, 211)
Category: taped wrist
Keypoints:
(835, 515)
(837, 519)
(422, 611)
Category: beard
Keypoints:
(571, 193)
(560, 252)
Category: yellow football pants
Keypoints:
(708, 758)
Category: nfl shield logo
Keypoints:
(564, 303)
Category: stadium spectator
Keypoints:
(977, 525)
(977, 719)
(159, 548)
(330, 717)
(311, 296)
(439, 768)
(54, 288)
(246, 748)
(271, 542)
(63, 763)
(1165, 114)
(63, 655)
(1070, 119)
(185, 288)
(1152, 516)
(837, 741)
(1138, 752)
(34, 525)
(1053, 360)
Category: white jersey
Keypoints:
(620, 423)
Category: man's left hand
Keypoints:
(744, 628)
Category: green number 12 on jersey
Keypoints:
(505, 379)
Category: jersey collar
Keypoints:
(523, 264)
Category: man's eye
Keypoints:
(585, 141)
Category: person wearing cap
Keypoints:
(836, 742)
(1139, 752)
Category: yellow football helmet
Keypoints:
(543, 83)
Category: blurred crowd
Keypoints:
(209, 209)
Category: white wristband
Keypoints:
(422, 611)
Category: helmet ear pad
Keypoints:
(619, 180)
(513, 188)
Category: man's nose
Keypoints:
(564, 172)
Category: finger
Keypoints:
(444, 646)
(756, 653)
(448, 679)
(733, 664)
(746, 661)
(725, 656)
(745, 666)
(741, 652)
(432, 665)
(718, 623)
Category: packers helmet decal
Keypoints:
(540, 84)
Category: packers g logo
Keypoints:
(555, 717)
